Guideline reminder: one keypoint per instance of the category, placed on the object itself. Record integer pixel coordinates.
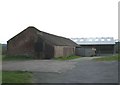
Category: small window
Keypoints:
(108, 39)
(90, 39)
(81, 40)
(96, 39)
(102, 40)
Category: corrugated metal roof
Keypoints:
(97, 40)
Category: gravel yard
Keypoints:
(81, 70)
(38, 66)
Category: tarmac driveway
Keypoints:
(87, 71)
(82, 70)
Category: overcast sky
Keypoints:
(67, 18)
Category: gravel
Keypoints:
(81, 70)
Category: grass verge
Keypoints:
(16, 77)
(12, 58)
(67, 57)
(109, 58)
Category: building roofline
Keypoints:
(37, 30)
(32, 27)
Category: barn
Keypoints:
(38, 44)
(102, 45)
(117, 47)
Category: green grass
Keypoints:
(16, 77)
(67, 57)
(15, 58)
(109, 58)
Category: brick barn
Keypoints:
(37, 44)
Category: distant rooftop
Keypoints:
(96, 40)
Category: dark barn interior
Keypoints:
(101, 49)
(101, 45)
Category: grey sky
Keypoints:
(67, 18)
